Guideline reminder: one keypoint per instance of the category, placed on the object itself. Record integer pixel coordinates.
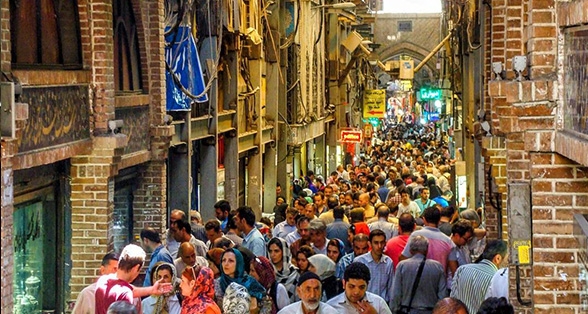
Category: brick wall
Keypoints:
(7, 254)
(526, 114)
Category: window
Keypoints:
(405, 26)
(46, 33)
(127, 62)
(122, 217)
(36, 260)
(575, 77)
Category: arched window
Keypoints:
(127, 59)
(45, 33)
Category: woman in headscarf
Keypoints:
(277, 296)
(167, 303)
(304, 252)
(324, 267)
(233, 270)
(286, 274)
(198, 291)
(335, 250)
(213, 257)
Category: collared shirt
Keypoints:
(322, 250)
(424, 205)
(431, 286)
(382, 274)
(394, 248)
(471, 283)
(234, 237)
(498, 285)
(461, 255)
(292, 237)
(173, 304)
(389, 229)
(343, 306)
(199, 246)
(160, 254)
(328, 218)
(439, 245)
(180, 265)
(282, 229)
(338, 230)
(255, 242)
(85, 303)
(343, 263)
(412, 208)
(223, 225)
(296, 308)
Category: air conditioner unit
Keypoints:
(7, 109)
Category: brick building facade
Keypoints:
(66, 175)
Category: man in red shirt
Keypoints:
(395, 246)
(117, 287)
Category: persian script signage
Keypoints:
(57, 115)
(351, 136)
(374, 103)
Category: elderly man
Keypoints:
(309, 291)
(187, 257)
(356, 299)
(418, 295)
(318, 236)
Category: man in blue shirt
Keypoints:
(380, 266)
(222, 209)
(151, 242)
(253, 240)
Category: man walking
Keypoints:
(471, 281)
(151, 243)
(418, 295)
(356, 299)
(253, 239)
(309, 290)
(379, 264)
(85, 302)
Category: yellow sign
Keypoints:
(522, 253)
(374, 103)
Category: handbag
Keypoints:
(406, 309)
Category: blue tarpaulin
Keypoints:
(182, 57)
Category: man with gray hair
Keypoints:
(413, 293)
(318, 236)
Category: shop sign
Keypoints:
(351, 136)
(374, 103)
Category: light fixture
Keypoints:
(497, 69)
(519, 64)
(340, 5)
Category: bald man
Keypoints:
(368, 209)
(188, 258)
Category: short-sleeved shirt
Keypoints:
(439, 245)
(342, 305)
(255, 242)
(110, 289)
(394, 248)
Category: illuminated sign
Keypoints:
(351, 136)
(430, 93)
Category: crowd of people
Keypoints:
(379, 237)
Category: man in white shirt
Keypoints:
(309, 290)
(85, 303)
(356, 299)
(287, 226)
(407, 205)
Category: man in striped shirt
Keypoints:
(471, 281)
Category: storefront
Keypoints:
(41, 239)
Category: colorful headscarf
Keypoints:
(324, 266)
(265, 270)
(202, 297)
(288, 276)
(161, 302)
(236, 300)
(253, 287)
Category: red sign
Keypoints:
(351, 136)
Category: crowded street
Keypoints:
(294, 157)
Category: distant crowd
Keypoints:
(383, 236)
